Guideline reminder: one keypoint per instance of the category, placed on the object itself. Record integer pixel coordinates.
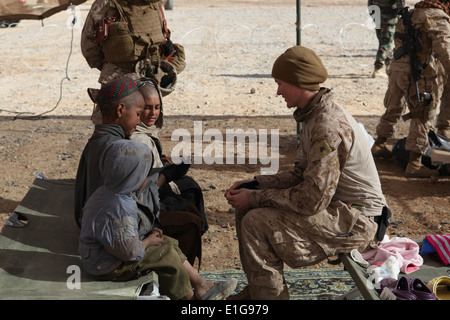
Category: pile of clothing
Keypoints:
(403, 255)
(438, 247)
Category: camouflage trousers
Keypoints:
(270, 238)
(395, 101)
(443, 91)
(385, 37)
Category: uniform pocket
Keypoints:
(337, 221)
(119, 46)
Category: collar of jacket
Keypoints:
(301, 114)
(151, 131)
(111, 129)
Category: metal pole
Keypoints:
(299, 23)
(299, 41)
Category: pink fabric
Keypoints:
(404, 250)
(441, 243)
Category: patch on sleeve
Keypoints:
(322, 149)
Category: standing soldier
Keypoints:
(413, 78)
(443, 91)
(130, 36)
(388, 10)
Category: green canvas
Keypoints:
(40, 260)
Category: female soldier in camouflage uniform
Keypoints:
(327, 204)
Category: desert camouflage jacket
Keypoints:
(93, 52)
(333, 163)
(434, 30)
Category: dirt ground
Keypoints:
(226, 85)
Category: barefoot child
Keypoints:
(118, 239)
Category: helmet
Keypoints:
(165, 74)
(166, 77)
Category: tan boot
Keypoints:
(445, 132)
(243, 295)
(379, 73)
(415, 168)
(380, 150)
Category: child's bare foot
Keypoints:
(201, 289)
(218, 291)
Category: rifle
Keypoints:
(412, 45)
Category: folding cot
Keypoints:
(39, 252)
(364, 286)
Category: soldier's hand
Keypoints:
(168, 48)
(237, 184)
(238, 199)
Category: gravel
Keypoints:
(230, 51)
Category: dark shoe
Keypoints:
(400, 288)
(421, 291)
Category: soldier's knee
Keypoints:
(255, 220)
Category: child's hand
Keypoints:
(164, 158)
(157, 232)
(154, 239)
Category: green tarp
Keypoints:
(40, 260)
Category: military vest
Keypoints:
(424, 43)
(136, 34)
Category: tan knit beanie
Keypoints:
(300, 67)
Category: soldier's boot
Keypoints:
(415, 168)
(246, 295)
(379, 72)
(445, 132)
(380, 150)
(243, 295)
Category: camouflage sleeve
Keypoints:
(92, 51)
(438, 29)
(328, 151)
(286, 179)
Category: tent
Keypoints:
(14, 10)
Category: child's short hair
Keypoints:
(117, 91)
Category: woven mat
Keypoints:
(303, 284)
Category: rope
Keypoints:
(35, 117)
